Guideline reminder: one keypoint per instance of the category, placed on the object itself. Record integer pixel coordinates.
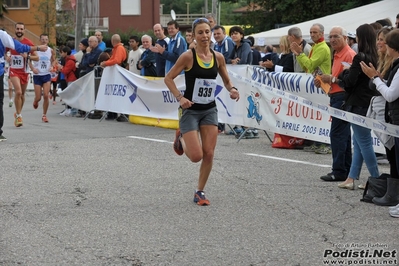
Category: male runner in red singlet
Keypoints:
(19, 72)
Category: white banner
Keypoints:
(286, 103)
(80, 93)
(122, 91)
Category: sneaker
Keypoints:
(394, 212)
(44, 119)
(238, 130)
(122, 118)
(95, 116)
(35, 104)
(177, 143)
(249, 134)
(10, 103)
(323, 149)
(18, 121)
(73, 112)
(66, 112)
(311, 148)
(394, 207)
(382, 161)
(199, 198)
(2, 138)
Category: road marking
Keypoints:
(155, 140)
(249, 154)
(287, 160)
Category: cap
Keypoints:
(85, 42)
(352, 35)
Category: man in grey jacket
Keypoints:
(295, 36)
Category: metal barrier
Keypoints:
(98, 70)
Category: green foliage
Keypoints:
(271, 14)
(275, 12)
(65, 23)
(3, 8)
(46, 16)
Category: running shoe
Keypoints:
(311, 148)
(2, 138)
(199, 198)
(44, 119)
(393, 207)
(35, 104)
(394, 212)
(66, 112)
(324, 149)
(10, 103)
(177, 143)
(18, 121)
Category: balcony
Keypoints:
(97, 23)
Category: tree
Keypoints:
(58, 23)
(46, 16)
(65, 22)
(3, 8)
(274, 12)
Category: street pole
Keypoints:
(188, 12)
(219, 8)
(215, 10)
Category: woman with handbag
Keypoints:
(357, 100)
(390, 91)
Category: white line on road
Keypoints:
(287, 160)
(155, 140)
(250, 154)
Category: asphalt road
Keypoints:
(84, 192)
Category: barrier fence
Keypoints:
(285, 103)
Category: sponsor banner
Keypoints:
(122, 91)
(297, 97)
(285, 103)
(80, 93)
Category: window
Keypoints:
(130, 7)
(17, 3)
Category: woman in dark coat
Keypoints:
(357, 100)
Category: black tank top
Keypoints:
(203, 73)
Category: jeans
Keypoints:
(340, 138)
(363, 150)
(1, 103)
